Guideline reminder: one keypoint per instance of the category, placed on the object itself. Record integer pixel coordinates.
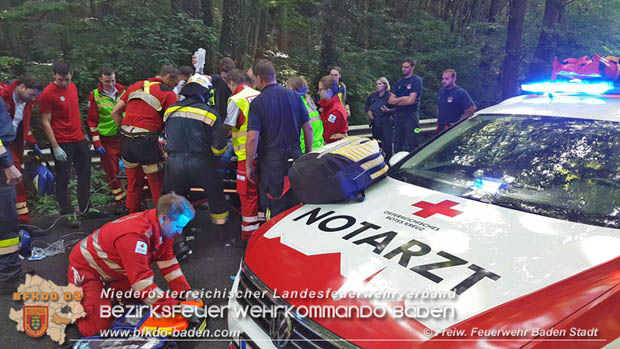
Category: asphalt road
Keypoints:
(211, 266)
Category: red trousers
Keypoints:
(248, 194)
(17, 152)
(109, 162)
(135, 185)
(91, 285)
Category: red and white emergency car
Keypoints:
(514, 212)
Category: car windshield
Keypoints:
(553, 166)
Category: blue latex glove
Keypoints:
(100, 150)
(37, 150)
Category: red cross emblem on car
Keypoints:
(443, 208)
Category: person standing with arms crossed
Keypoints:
(405, 97)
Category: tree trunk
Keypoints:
(485, 51)
(206, 8)
(494, 10)
(362, 34)
(335, 20)
(231, 43)
(539, 69)
(282, 29)
(510, 67)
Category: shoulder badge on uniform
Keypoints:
(331, 118)
(141, 247)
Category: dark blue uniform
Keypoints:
(452, 103)
(382, 123)
(10, 264)
(407, 118)
(277, 114)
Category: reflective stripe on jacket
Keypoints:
(239, 135)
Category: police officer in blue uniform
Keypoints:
(454, 102)
(10, 263)
(380, 115)
(405, 97)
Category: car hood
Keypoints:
(432, 249)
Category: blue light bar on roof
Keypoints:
(573, 86)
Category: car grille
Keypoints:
(305, 334)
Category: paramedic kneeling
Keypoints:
(119, 256)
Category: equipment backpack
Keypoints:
(338, 171)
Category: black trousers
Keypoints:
(405, 137)
(78, 156)
(383, 130)
(189, 170)
(10, 264)
(273, 166)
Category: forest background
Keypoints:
(493, 44)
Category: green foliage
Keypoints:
(42, 205)
(7, 64)
(137, 51)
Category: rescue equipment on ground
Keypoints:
(38, 170)
(339, 171)
(25, 243)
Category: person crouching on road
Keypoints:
(333, 115)
(195, 139)
(120, 255)
(299, 85)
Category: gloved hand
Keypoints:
(59, 154)
(100, 150)
(193, 313)
(37, 150)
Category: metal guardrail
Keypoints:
(426, 126)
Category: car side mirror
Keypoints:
(397, 157)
